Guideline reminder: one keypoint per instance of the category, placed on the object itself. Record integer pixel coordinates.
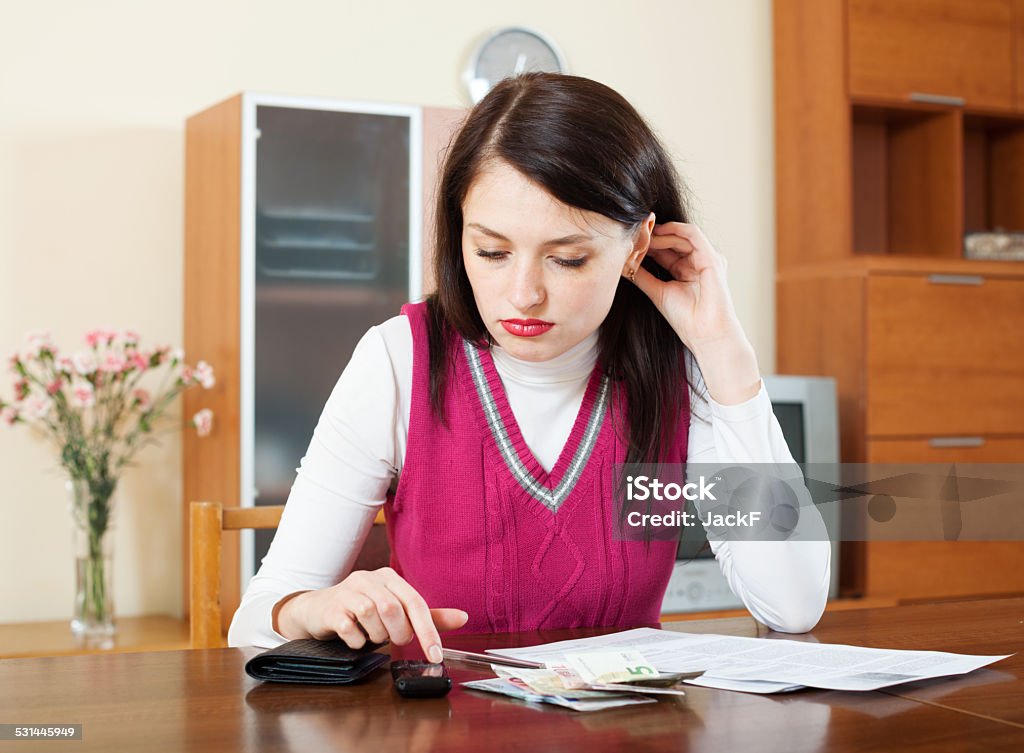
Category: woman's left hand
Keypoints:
(697, 304)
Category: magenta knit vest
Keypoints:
(476, 523)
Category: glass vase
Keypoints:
(92, 507)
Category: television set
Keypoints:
(807, 412)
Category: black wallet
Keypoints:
(308, 660)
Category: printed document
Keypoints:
(766, 665)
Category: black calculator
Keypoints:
(420, 679)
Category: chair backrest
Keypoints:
(208, 521)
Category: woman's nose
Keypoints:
(527, 287)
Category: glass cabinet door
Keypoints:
(332, 253)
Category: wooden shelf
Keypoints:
(896, 264)
(993, 173)
(54, 638)
(906, 181)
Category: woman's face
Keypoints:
(543, 274)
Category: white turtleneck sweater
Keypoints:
(359, 444)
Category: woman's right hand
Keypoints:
(375, 604)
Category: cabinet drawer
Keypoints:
(944, 569)
(952, 48)
(944, 359)
(947, 450)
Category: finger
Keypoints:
(673, 240)
(418, 613)
(366, 611)
(686, 232)
(348, 630)
(682, 229)
(650, 285)
(680, 268)
(448, 619)
(701, 254)
(393, 616)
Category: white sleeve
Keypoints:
(784, 584)
(342, 481)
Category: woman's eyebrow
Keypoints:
(567, 240)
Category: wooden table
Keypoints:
(202, 700)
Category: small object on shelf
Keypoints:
(994, 246)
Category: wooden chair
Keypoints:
(208, 521)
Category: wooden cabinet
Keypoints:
(961, 50)
(875, 192)
(1019, 31)
(929, 369)
(304, 226)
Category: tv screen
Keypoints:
(693, 540)
(791, 420)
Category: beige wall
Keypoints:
(93, 97)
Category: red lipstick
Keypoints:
(526, 327)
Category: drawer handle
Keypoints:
(937, 99)
(956, 279)
(957, 441)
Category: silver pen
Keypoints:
(475, 658)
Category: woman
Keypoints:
(573, 300)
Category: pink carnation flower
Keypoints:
(65, 364)
(9, 415)
(99, 337)
(83, 395)
(54, 387)
(39, 340)
(113, 363)
(21, 389)
(130, 337)
(204, 375)
(203, 421)
(85, 362)
(138, 361)
(143, 398)
(37, 407)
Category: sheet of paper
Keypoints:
(843, 667)
(667, 651)
(767, 665)
(746, 686)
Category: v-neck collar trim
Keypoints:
(550, 489)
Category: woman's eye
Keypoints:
(573, 263)
(490, 255)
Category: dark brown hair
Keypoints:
(590, 149)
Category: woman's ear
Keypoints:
(641, 242)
